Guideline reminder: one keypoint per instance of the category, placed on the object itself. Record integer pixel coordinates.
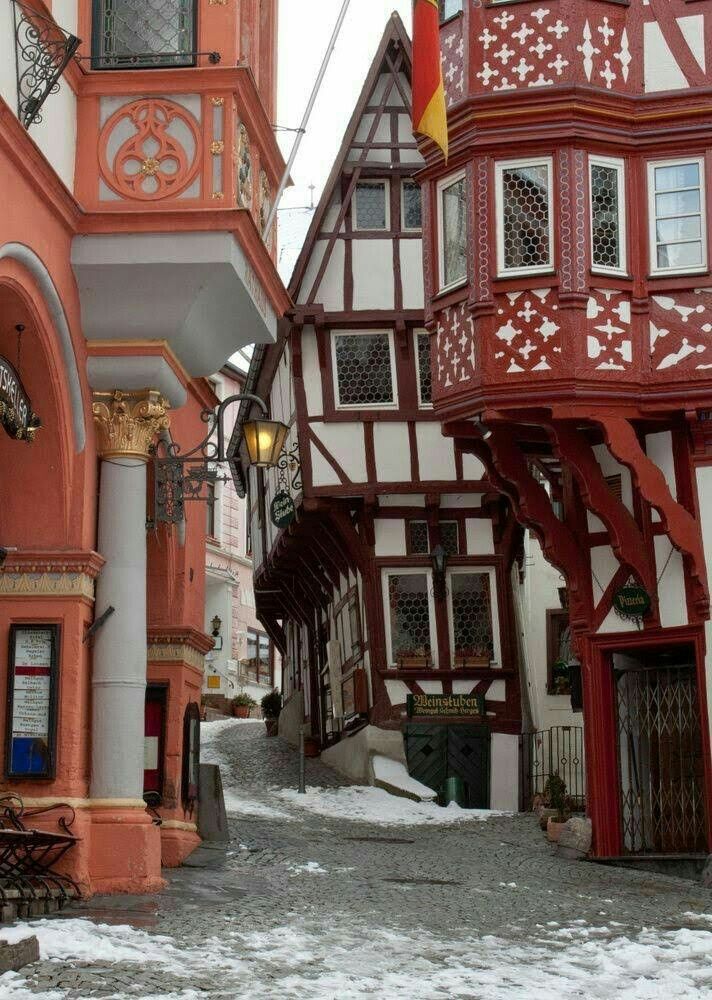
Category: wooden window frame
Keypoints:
(499, 168)
(617, 164)
(441, 187)
(372, 182)
(338, 405)
(50, 770)
(664, 272)
(491, 572)
(406, 181)
(425, 571)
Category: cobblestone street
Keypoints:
(312, 906)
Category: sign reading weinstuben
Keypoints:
(16, 413)
(445, 705)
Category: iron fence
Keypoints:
(558, 750)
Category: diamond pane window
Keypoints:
(418, 538)
(139, 33)
(412, 208)
(453, 232)
(364, 371)
(370, 205)
(677, 210)
(524, 233)
(607, 215)
(471, 609)
(450, 537)
(409, 616)
(425, 379)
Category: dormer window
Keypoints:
(153, 33)
(371, 207)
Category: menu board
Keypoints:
(31, 699)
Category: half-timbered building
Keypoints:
(567, 296)
(382, 553)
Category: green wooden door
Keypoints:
(437, 752)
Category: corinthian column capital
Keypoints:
(126, 422)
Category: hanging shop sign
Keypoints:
(32, 701)
(16, 413)
(282, 509)
(445, 705)
(631, 602)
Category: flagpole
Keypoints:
(305, 119)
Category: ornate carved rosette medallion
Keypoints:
(161, 156)
(126, 422)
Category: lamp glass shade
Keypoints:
(216, 623)
(264, 440)
(439, 557)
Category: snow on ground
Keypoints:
(395, 774)
(373, 805)
(352, 962)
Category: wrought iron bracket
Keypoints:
(42, 52)
(183, 477)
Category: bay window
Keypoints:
(606, 180)
(676, 198)
(525, 237)
(452, 231)
(425, 378)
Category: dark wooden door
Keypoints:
(437, 752)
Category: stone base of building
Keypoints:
(125, 853)
(351, 756)
(177, 842)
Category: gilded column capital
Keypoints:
(126, 422)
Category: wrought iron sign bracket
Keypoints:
(42, 52)
(183, 477)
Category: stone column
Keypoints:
(125, 425)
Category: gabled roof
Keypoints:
(394, 38)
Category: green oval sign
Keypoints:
(282, 509)
(631, 602)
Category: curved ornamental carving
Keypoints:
(244, 168)
(150, 149)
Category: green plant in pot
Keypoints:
(555, 795)
(242, 705)
(271, 707)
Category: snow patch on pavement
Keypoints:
(373, 805)
(310, 868)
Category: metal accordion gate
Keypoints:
(660, 759)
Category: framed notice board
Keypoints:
(32, 701)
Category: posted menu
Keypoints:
(31, 699)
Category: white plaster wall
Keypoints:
(312, 269)
(323, 474)
(373, 274)
(390, 536)
(671, 583)
(480, 541)
(392, 448)
(455, 500)
(345, 442)
(311, 373)
(431, 687)
(436, 454)
(504, 772)
(658, 448)
(397, 692)
(610, 466)
(704, 490)
(402, 500)
(331, 289)
(603, 567)
(661, 70)
(411, 261)
(472, 468)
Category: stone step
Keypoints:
(17, 904)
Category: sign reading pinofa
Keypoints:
(16, 413)
(444, 705)
(631, 602)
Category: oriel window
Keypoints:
(677, 216)
(524, 219)
(606, 179)
(143, 33)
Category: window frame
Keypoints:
(405, 182)
(372, 182)
(499, 167)
(102, 62)
(338, 405)
(662, 272)
(618, 164)
(417, 333)
(427, 572)
(441, 186)
(496, 661)
(554, 618)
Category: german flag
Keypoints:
(429, 114)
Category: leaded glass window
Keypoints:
(364, 370)
(448, 8)
(370, 205)
(139, 33)
(471, 609)
(607, 215)
(453, 232)
(419, 544)
(425, 378)
(677, 216)
(450, 537)
(409, 615)
(524, 216)
(412, 207)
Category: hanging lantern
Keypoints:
(264, 440)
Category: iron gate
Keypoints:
(437, 752)
(660, 760)
(558, 750)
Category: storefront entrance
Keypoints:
(659, 752)
(437, 752)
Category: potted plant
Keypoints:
(555, 793)
(271, 707)
(242, 705)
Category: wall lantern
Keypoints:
(264, 440)
(216, 624)
(438, 558)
